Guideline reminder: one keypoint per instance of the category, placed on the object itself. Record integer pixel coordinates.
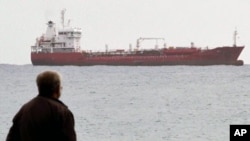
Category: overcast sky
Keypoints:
(120, 22)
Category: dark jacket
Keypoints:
(43, 119)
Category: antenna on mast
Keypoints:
(62, 16)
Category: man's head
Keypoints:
(49, 84)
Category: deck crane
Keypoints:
(138, 42)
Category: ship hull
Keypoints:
(217, 56)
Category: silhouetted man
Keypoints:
(45, 117)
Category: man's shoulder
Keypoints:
(42, 101)
(51, 101)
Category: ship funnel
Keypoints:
(50, 24)
(51, 31)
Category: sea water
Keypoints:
(122, 103)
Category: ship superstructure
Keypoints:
(66, 39)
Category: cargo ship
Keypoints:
(59, 47)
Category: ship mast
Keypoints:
(235, 37)
(62, 16)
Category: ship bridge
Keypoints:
(70, 32)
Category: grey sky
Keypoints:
(120, 22)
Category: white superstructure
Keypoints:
(65, 39)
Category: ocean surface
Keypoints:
(172, 103)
